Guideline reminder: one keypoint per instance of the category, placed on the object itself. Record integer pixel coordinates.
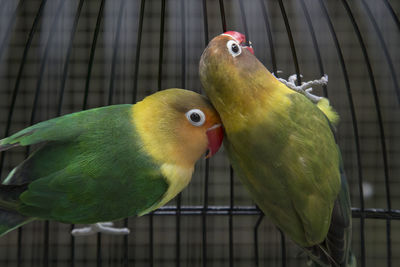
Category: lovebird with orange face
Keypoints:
(108, 163)
(281, 145)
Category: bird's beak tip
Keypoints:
(215, 135)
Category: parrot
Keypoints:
(108, 163)
(281, 144)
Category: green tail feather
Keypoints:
(10, 219)
(5, 146)
(335, 250)
(351, 262)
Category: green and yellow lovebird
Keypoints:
(108, 163)
(281, 144)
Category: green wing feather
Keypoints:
(91, 167)
(336, 248)
(58, 129)
(297, 178)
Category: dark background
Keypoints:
(60, 56)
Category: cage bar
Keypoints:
(232, 209)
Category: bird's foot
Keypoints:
(305, 87)
(105, 227)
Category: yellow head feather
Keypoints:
(166, 133)
(169, 138)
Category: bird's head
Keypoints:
(231, 75)
(237, 40)
(178, 126)
(226, 58)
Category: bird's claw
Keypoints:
(105, 227)
(277, 72)
(305, 87)
(293, 78)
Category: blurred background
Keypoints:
(58, 57)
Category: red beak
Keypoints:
(215, 135)
(241, 39)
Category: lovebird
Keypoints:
(108, 163)
(281, 145)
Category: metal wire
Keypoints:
(384, 49)
(231, 173)
(161, 49)
(115, 50)
(13, 100)
(270, 39)
(34, 109)
(92, 53)
(207, 167)
(19, 75)
(392, 13)
(231, 204)
(369, 213)
(354, 122)
(256, 250)
(291, 42)
(138, 46)
(60, 103)
(381, 128)
(159, 88)
(315, 44)
(183, 85)
(9, 28)
(297, 69)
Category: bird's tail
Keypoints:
(335, 250)
(351, 261)
(10, 219)
(320, 259)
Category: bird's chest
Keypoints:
(259, 154)
(177, 177)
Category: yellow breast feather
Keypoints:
(178, 178)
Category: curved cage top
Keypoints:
(58, 57)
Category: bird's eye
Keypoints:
(234, 48)
(196, 117)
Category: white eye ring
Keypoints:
(234, 48)
(196, 117)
